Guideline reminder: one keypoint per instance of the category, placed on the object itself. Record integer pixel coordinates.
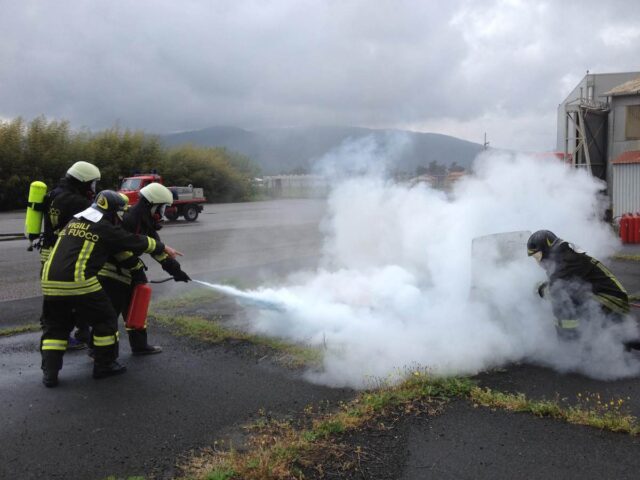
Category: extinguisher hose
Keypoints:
(161, 281)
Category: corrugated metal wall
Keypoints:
(626, 188)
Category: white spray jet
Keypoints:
(245, 299)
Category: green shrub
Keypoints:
(44, 150)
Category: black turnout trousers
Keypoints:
(59, 319)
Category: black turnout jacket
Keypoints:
(60, 205)
(83, 247)
(576, 276)
(127, 267)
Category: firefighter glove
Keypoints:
(181, 276)
(172, 267)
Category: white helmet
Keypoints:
(157, 194)
(84, 172)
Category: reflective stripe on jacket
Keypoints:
(81, 251)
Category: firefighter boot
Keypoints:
(139, 345)
(108, 370)
(51, 365)
(105, 356)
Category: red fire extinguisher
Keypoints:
(137, 314)
(624, 228)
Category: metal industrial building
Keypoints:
(598, 124)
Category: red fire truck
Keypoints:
(187, 201)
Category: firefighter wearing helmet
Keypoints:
(578, 285)
(74, 193)
(123, 271)
(71, 288)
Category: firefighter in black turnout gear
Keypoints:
(579, 286)
(74, 193)
(70, 284)
(125, 270)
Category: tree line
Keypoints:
(44, 150)
(436, 169)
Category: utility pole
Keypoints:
(485, 145)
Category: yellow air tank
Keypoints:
(33, 219)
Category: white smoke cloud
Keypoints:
(394, 286)
(368, 156)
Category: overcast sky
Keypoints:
(456, 67)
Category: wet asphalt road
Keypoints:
(468, 442)
(185, 398)
(137, 423)
(193, 394)
(479, 443)
(225, 237)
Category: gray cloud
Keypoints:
(458, 67)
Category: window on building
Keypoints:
(632, 126)
(590, 92)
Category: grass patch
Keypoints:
(629, 257)
(32, 327)
(279, 450)
(193, 297)
(112, 477)
(211, 331)
(590, 410)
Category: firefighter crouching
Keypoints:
(581, 289)
(124, 270)
(74, 193)
(70, 284)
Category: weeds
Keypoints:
(221, 475)
(112, 477)
(211, 331)
(32, 327)
(278, 450)
(626, 256)
(195, 296)
(590, 410)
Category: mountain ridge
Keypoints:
(287, 149)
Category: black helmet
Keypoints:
(112, 204)
(540, 241)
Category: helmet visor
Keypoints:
(159, 209)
